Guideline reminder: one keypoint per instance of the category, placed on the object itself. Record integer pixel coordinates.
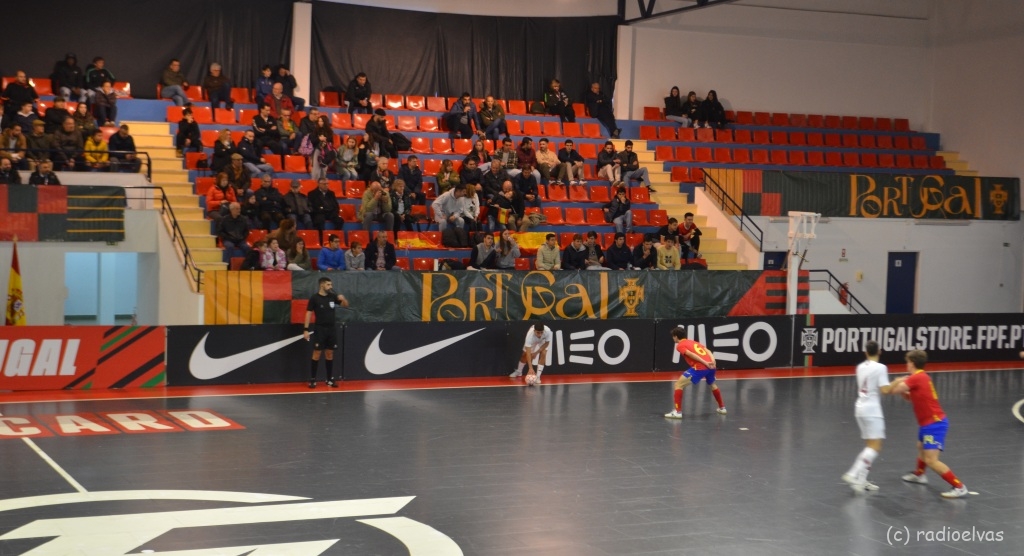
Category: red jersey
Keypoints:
(925, 399)
(696, 347)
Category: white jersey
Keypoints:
(534, 343)
(871, 375)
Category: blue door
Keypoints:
(901, 283)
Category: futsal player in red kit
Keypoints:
(931, 437)
(702, 366)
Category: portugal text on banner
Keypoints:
(15, 298)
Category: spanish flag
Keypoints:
(15, 299)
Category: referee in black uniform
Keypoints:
(322, 304)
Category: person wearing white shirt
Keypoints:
(535, 351)
(872, 380)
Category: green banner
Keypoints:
(521, 295)
(884, 196)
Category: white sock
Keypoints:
(519, 369)
(862, 464)
(540, 369)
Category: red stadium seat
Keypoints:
(578, 193)
(903, 161)
(462, 146)
(209, 137)
(640, 217)
(798, 120)
(866, 123)
(565, 239)
(833, 158)
(648, 132)
(687, 134)
(652, 113)
(815, 140)
(421, 145)
(849, 140)
(348, 212)
(354, 189)
(224, 116)
(761, 138)
(833, 122)
(884, 141)
(869, 160)
(241, 95)
(917, 143)
(553, 215)
(851, 159)
(600, 194)
(310, 237)
(780, 119)
(572, 129)
(920, 161)
(780, 138)
(702, 154)
(341, 120)
(937, 162)
(778, 157)
(557, 193)
(394, 102)
(797, 138)
(595, 217)
(587, 150)
(743, 136)
(759, 156)
(407, 123)
(684, 154)
(849, 122)
(415, 102)
(329, 98)
(517, 107)
(797, 158)
(442, 145)
(867, 141)
(376, 100)
(901, 142)
(762, 118)
(428, 123)
(592, 130)
(639, 195)
(436, 104)
(815, 158)
(833, 140)
(658, 217)
(295, 163)
(744, 118)
(723, 136)
(814, 120)
(705, 135)
(359, 121)
(552, 129)
(741, 156)
(575, 217)
(723, 155)
(579, 109)
(883, 124)
(245, 116)
(886, 160)
(664, 153)
(422, 263)
(667, 133)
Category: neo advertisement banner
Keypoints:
(265, 354)
(736, 342)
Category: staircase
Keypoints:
(953, 162)
(156, 139)
(668, 197)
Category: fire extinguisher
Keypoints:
(844, 293)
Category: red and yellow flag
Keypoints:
(15, 299)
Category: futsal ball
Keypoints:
(531, 380)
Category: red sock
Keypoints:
(718, 397)
(950, 478)
(677, 397)
(920, 467)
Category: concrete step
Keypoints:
(161, 152)
(721, 266)
(145, 142)
(949, 155)
(168, 164)
(179, 202)
(210, 242)
(958, 165)
(179, 175)
(646, 156)
(718, 258)
(194, 227)
(189, 212)
(707, 244)
(207, 255)
(147, 128)
(659, 177)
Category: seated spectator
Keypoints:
(492, 119)
(38, 144)
(222, 151)
(469, 210)
(570, 169)
(470, 175)
(412, 175)
(527, 187)
(308, 123)
(348, 160)
(446, 177)
(668, 254)
(355, 259)
(271, 205)
(447, 209)
(264, 86)
(575, 255)
(85, 122)
(600, 106)
(44, 174)
(691, 109)
(527, 156)
(669, 230)
(380, 137)
(290, 137)
(548, 255)
(67, 80)
(188, 137)
(252, 155)
(69, 144)
(618, 256)
(324, 153)
(382, 174)
(547, 161)
(689, 238)
(250, 208)
(219, 198)
(266, 134)
(296, 206)
(491, 181)
(479, 152)
(97, 155)
(618, 212)
(123, 157)
(274, 258)
(217, 87)
(376, 207)
(8, 174)
(558, 103)
(233, 230)
(358, 95)
(24, 117)
(380, 254)
(505, 208)
(609, 164)
(238, 175)
(105, 108)
(96, 74)
(401, 206)
(173, 84)
(483, 255)
(277, 101)
(506, 251)
(712, 113)
(631, 169)
(298, 256)
(645, 255)
(461, 118)
(674, 108)
(18, 92)
(508, 157)
(594, 253)
(254, 257)
(331, 257)
(13, 146)
(287, 81)
(323, 207)
(56, 114)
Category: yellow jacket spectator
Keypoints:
(96, 155)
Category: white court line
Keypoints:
(60, 470)
(1016, 411)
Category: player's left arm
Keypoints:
(707, 359)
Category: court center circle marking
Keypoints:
(1016, 410)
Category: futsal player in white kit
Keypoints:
(535, 351)
(872, 380)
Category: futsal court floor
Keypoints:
(582, 465)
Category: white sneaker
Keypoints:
(538, 379)
(574, 182)
(912, 478)
(721, 411)
(583, 182)
(674, 415)
(707, 126)
(869, 486)
(696, 125)
(850, 479)
(516, 374)
(956, 492)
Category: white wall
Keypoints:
(518, 8)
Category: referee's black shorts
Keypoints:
(324, 337)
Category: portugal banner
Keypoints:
(15, 299)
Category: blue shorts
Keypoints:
(933, 436)
(695, 376)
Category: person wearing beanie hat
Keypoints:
(380, 137)
(67, 78)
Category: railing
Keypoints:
(195, 273)
(834, 285)
(142, 156)
(731, 207)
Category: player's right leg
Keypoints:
(313, 366)
(681, 383)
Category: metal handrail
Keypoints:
(78, 152)
(729, 205)
(835, 286)
(177, 236)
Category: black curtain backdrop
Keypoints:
(138, 38)
(418, 53)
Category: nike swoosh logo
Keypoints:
(380, 363)
(204, 367)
